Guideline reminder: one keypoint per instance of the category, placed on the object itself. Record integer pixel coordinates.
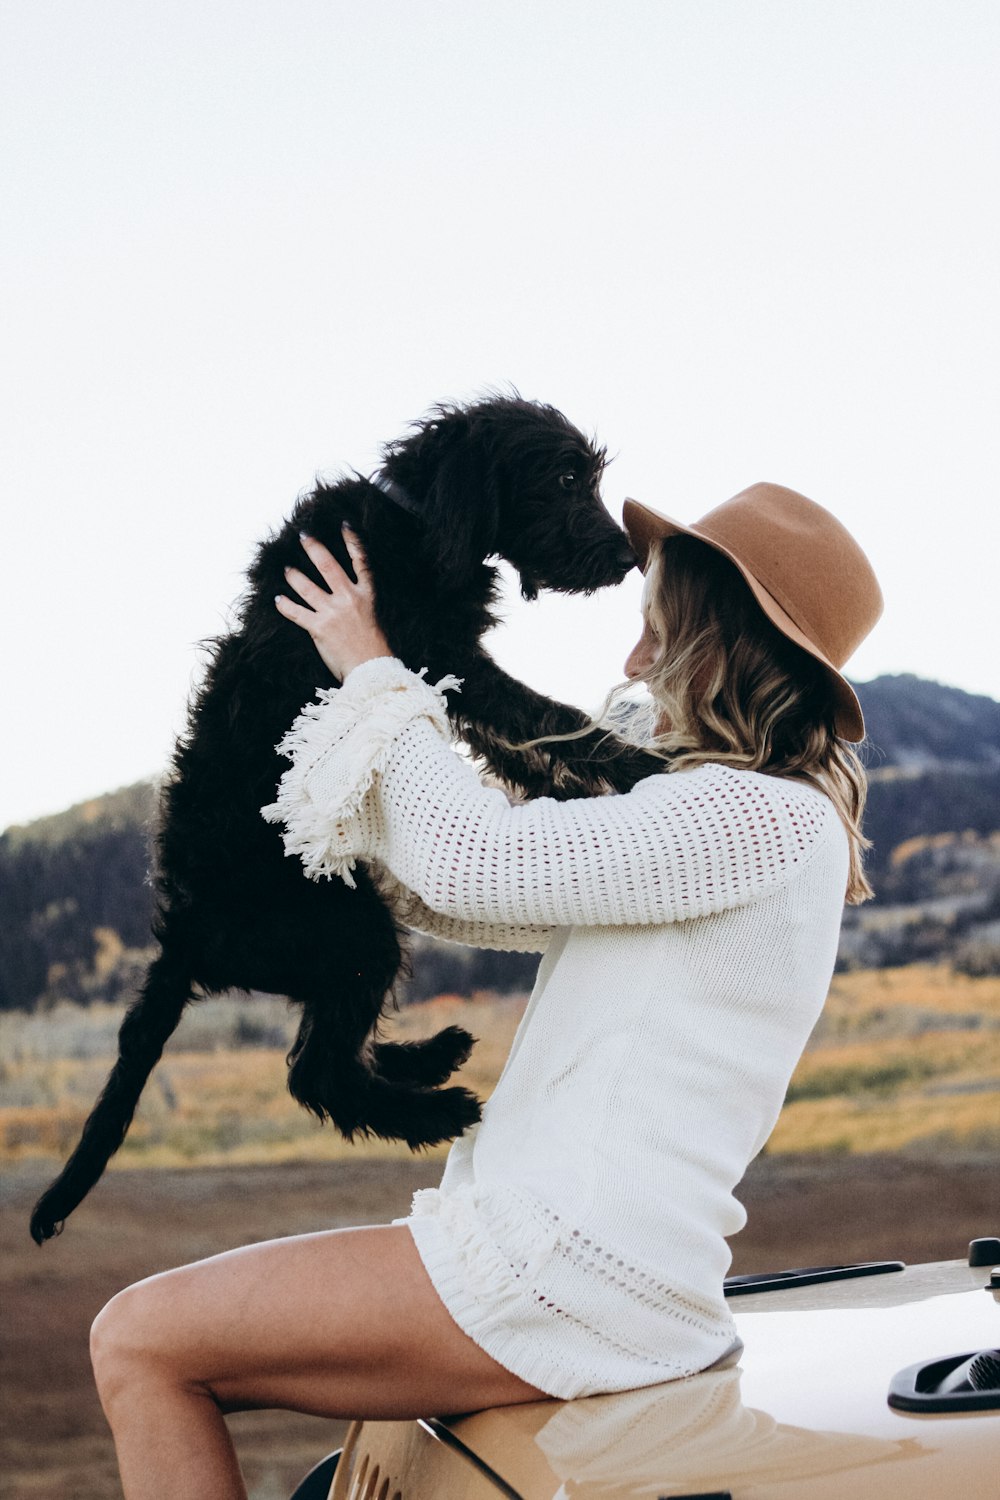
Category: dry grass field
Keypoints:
(886, 1147)
(218, 1096)
(903, 1059)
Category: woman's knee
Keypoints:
(123, 1340)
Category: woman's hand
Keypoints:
(342, 622)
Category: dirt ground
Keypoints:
(55, 1445)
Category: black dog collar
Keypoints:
(396, 493)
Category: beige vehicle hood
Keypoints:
(802, 1417)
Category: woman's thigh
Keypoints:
(344, 1323)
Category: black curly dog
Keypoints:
(505, 476)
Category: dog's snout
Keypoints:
(625, 555)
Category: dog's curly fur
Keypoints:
(502, 476)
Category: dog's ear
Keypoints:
(462, 509)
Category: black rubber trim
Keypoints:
(919, 1387)
(440, 1430)
(316, 1484)
(779, 1281)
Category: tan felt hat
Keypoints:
(807, 573)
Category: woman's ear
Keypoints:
(461, 509)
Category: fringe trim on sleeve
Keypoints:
(336, 746)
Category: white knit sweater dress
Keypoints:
(689, 930)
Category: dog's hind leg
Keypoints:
(148, 1023)
(427, 1062)
(333, 1075)
(338, 952)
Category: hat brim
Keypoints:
(644, 526)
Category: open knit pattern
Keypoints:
(689, 930)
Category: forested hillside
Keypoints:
(75, 900)
(916, 724)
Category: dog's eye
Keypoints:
(568, 481)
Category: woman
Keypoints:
(577, 1241)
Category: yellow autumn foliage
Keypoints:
(904, 1059)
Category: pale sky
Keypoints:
(244, 243)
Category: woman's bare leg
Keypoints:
(344, 1323)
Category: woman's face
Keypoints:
(648, 647)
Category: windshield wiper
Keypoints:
(774, 1281)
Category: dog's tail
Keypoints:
(148, 1024)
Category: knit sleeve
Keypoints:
(375, 777)
(502, 937)
(337, 747)
(677, 846)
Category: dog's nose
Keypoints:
(626, 557)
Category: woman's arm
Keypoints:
(502, 937)
(373, 777)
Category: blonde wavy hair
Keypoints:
(728, 687)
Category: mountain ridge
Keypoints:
(915, 723)
(75, 896)
(958, 729)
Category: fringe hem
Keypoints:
(496, 1297)
(337, 746)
